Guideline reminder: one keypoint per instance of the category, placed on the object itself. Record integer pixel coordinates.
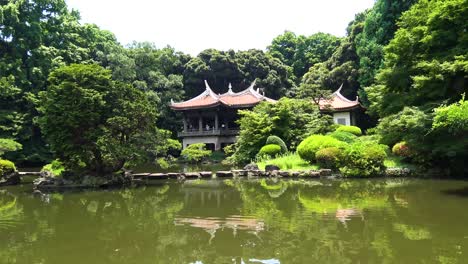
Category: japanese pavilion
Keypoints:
(343, 110)
(210, 118)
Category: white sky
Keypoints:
(194, 25)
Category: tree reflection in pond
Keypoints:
(239, 221)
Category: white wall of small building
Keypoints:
(342, 115)
(217, 141)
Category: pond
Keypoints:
(240, 221)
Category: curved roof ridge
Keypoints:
(342, 97)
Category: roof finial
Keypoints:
(172, 101)
(230, 88)
(252, 84)
(339, 89)
(207, 86)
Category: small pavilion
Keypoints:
(210, 118)
(343, 110)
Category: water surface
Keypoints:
(240, 221)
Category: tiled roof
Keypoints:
(338, 102)
(247, 98)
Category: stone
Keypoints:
(173, 175)
(271, 167)
(157, 176)
(251, 167)
(295, 174)
(325, 172)
(254, 173)
(192, 175)
(284, 173)
(140, 175)
(206, 174)
(240, 173)
(224, 174)
(314, 173)
(10, 179)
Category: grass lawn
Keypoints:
(393, 161)
(290, 161)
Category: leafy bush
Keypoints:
(401, 149)
(343, 136)
(6, 167)
(277, 141)
(55, 167)
(329, 157)
(350, 129)
(270, 150)
(7, 145)
(314, 143)
(195, 152)
(363, 159)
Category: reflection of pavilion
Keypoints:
(212, 224)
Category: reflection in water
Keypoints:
(239, 221)
(212, 224)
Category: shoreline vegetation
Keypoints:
(73, 98)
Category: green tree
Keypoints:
(93, 124)
(290, 119)
(426, 62)
(195, 152)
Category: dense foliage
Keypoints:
(6, 167)
(7, 145)
(290, 119)
(350, 129)
(309, 147)
(270, 150)
(363, 159)
(277, 141)
(93, 124)
(55, 168)
(329, 158)
(195, 152)
(343, 136)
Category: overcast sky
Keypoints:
(194, 25)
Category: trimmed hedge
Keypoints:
(269, 150)
(401, 149)
(351, 129)
(314, 143)
(6, 167)
(329, 158)
(277, 141)
(343, 136)
(363, 159)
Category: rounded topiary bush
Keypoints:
(309, 146)
(277, 141)
(269, 150)
(363, 159)
(343, 136)
(401, 149)
(6, 167)
(351, 129)
(329, 158)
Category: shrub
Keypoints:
(401, 149)
(351, 129)
(277, 141)
(363, 159)
(314, 143)
(343, 136)
(195, 152)
(329, 157)
(269, 150)
(55, 167)
(6, 167)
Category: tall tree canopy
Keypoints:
(93, 124)
(426, 62)
(35, 38)
(220, 68)
(301, 52)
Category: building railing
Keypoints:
(219, 132)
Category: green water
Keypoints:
(240, 221)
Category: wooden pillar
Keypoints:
(185, 123)
(216, 121)
(200, 123)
